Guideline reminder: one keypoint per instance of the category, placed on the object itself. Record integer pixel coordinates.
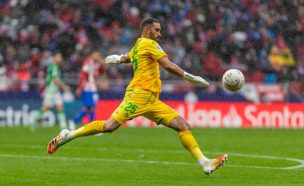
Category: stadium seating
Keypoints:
(254, 36)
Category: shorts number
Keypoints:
(130, 108)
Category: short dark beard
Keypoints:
(153, 38)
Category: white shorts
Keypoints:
(52, 99)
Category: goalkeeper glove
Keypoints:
(113, 59)
(195, 79)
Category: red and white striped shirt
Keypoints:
(88, 75)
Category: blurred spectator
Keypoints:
(24, 76)
(263, 38)
(212, 66)
(280, 54)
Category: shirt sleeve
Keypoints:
(85, 68)
(156, 51)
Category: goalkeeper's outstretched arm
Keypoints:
(117, 59)
(176, 70)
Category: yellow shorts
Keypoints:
(139, 102)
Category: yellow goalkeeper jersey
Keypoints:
(144, 56)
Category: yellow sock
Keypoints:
(92, 128)
(190, 144)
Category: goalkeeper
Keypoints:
(142, 96)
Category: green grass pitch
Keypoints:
(152, 156)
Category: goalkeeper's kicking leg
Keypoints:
(178, 124)
(189, 142)
(92, 128)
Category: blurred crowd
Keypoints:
(263, 38)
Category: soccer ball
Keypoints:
(233, 80)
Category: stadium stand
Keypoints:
(263, 38)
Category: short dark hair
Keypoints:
(56, 52)
(147, 22)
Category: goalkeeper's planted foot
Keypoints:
(211, 165)
(59, 140)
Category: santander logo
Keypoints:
(228, 115)
(239, 115)
(210, 117)
(232, 118)
(282, 117)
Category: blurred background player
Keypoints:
(51, 94)
(87, 88)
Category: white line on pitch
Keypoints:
(273, 158)
(124, 161)
(301, 165)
